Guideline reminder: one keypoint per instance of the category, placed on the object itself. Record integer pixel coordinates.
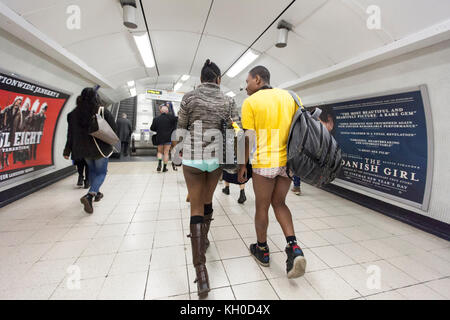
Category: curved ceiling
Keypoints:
(185, 33)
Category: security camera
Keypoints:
(283, 31)
(129, 13)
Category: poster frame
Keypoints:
(48, 169)
(423, 88)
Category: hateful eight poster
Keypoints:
(29, 113)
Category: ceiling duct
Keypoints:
(129, 13)
(283, 31)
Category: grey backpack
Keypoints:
(313, 153)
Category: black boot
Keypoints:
(242, 197)
(165, 168)
(226, 190)
(98, 197)
(87, 202)
(80, 181)
(159, 166)
(87, 185)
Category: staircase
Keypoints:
(129, 107)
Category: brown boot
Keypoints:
(208, 220)
(198, 236)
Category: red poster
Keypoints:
(29, 114)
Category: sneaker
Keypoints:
(87, 185)
(80, 181)
(226, 190)
(296, 262)
(98, 197)
(242, 198)
(261, 255)
(297, 191)
(87, 202)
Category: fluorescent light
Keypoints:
(145, 48)
(242, 63)
(231, 94)
(185, 77)
(131, 83)
(133, 92)
(177, 86)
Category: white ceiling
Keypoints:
(326, 33)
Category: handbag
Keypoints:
(155, 140)
(103, 131)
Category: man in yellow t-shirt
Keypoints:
(268, 114)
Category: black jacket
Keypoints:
(80, 144)
(164, 125)
(124, 129)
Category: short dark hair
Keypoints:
(210, 72)
(262, 72)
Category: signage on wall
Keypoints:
(29, 114)
(163, 95)
(157, 92)
(387, 144)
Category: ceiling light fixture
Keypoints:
(133, 92)
(242, 63)
(284, 28)
(185, 77)
(131, 83)
(231, 94)
(177, 86)
(145, 49)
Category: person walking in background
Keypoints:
(296, 189)
(230, 178)
(164, 125)
(81, 145)
(203, 110)
(83, 173)
(268, 114)
(125, 129)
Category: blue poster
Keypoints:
(384, 143)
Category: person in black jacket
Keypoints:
(81, 145)
(164, 125)
(125, 130)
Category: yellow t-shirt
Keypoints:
(269, 113)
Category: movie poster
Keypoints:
(29, 113)
(385, 144)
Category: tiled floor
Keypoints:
(135, 247)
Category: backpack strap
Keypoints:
(296, 116)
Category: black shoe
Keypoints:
(226, 190)
(261, 255)
(296, 262)
(98, 197)
(80, 181)
(87, 185)
(242, 197)
(165, 168)
(174, 167)
(159, 167)
(87, 202)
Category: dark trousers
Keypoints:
(125, 147)
(82, 167)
